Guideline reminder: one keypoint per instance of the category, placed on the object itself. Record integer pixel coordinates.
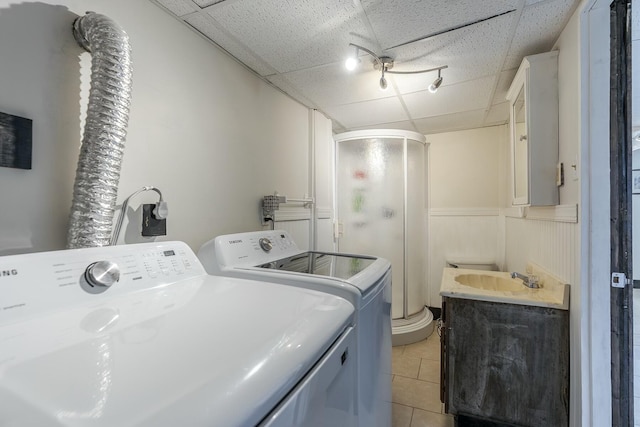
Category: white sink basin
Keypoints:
(496, 286)
(490, 283)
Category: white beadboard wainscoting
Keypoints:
(547, 236)
(463, 235)
(296, 221)
(553, 245)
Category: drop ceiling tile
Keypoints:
(540, 26)
(399, 21)
(470, 53)
(450, 122)
(334, 85)
(206, 3)
(308, 40)
(293, 35)
(204, 25)
(504, 83)
(178, 7)
(472, 95)
(367, 113)
(498, 114)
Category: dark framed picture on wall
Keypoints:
(635, 181)
(15, 141)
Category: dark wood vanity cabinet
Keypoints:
(505, 364)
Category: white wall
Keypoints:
(465, 192)
(206, 131)
(464, 168)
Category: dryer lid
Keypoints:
(210, 350)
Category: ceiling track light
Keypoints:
(353, 61)
(386, 63)
(383, 81)
(433, 87)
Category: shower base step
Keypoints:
(416, 328)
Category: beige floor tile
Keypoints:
(416, 393)
(401, 415)
(426, 349)
(397, 351)
(406, 366)
(429, 370)
(430, 419)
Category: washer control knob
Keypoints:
(102, 273)
(265, 244)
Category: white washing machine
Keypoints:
(140, 335)
(365, 281)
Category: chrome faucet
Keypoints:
(529, 281)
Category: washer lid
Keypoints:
(340, 266)
(345, 273)
(210, 350)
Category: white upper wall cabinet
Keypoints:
(533, 98)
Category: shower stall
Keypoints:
(380, 206)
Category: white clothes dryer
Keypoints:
(140, 335)
(365, 281)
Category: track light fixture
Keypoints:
(385, 64)
(433, 87)
(383, 81)
(352, 61)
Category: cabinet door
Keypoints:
(507, 363)
(520, 150)
(533, 97)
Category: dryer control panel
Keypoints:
(39, 282)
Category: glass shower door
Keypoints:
(370, 204)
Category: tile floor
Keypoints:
(416, 385)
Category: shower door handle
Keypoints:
(338, 229)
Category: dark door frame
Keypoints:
(621, 259)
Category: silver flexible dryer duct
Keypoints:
(96, 186)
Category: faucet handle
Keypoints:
(534, 281)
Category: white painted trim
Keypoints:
(464, 212)
(292, 214)
(513, 212)
(559, 213)
(590, 403)
(324, 213)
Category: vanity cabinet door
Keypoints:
(533, 98)
(507, 363)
